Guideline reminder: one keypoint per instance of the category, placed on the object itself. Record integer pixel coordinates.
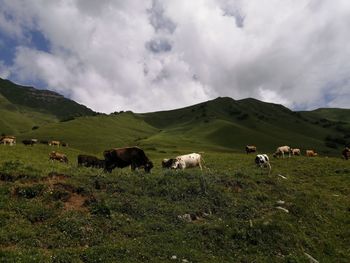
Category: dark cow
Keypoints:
(44, 142)
(346, 153)
(64, 144)
(123, 157)
(30, 142)
(167, 163)
(90, 161)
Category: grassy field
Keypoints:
(52, 212)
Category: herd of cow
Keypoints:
(11, 140)
(137, 159)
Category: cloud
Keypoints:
(4, 71)
(155, 55)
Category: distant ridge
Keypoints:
(221, 124)
(44, 101)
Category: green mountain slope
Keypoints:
(95, 134)
(231, 124)
(332, 114)
(16, 120)
(222, 124)
(43, 101)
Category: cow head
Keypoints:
(167, 163)
(148, 167)
(176, 164)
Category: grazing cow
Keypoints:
(44, 142)
(90, 161)
(30, 142)
(281, 151)
(64, 144)
(262, 160)
(311, 153)
(187, 161)
(7, 136)
(250, 149)
(8, 140)
(123, 157)
(54, 143)
(346, 153)
(58, 156)
(167, 163)
(296, 152)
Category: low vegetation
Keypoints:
(230, 212)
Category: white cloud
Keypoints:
(153, 55)
(4, 70)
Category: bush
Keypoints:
(100, 209)
(29, 191)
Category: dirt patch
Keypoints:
(54, 178)
(76, 202)
(236, 186)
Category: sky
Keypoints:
(150, 55)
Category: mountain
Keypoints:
(231, 124)
(44, 101)
(222, 124)
(25, 108)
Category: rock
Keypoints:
(312, 259)
(283, 177)
(173, 257)
(283, 209)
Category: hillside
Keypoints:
(332, 114)
(43, 101)
(96, 133)
(222, 124)
(232, 212)
(17, 120)
(232, 124)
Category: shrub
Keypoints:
(30, 191)
(100, 209)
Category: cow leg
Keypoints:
(269, 166)
(133, 167)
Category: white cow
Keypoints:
(262, 160)
(187, 161)
(282, 150)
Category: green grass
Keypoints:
(96, 134)
(133, 217)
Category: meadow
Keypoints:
(230, 212)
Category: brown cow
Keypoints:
(311, 153)
(346, 153)
(250, 149)
(123, 157)
(58, 156)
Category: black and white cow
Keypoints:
(262, 160)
